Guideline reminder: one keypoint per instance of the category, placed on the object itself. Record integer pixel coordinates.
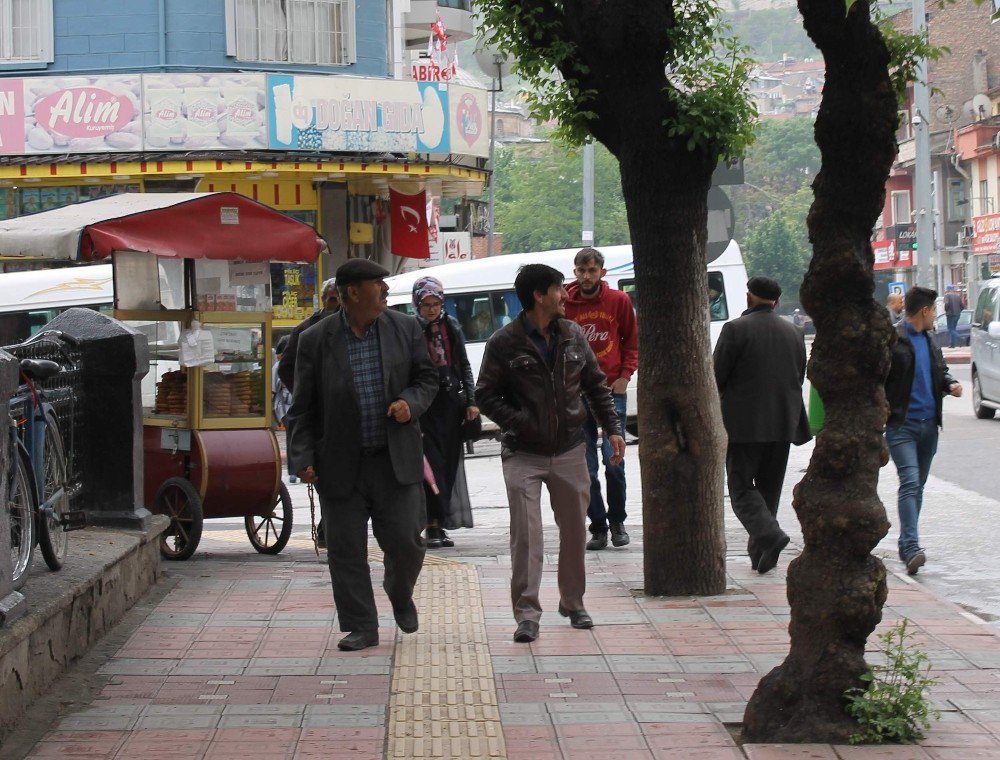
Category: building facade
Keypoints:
(309, 106)
(964, 119)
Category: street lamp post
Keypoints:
(496, 85)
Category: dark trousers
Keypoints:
(756, 472)
(442, 428)
(953, 339)
(613, 473)
(398, 516)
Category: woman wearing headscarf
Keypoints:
(455, 402)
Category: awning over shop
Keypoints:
(225, 226)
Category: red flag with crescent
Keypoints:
(409, 236)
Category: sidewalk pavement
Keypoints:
(238, 659)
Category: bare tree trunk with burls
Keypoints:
(836, 588)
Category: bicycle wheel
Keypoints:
(268, 535)
(52, 538)
(21, 509)
(178, 500)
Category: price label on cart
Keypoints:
(249, 273)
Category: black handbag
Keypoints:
(472, 429)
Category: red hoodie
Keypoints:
(608, 321)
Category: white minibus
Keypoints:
(480, 294)
(30, 300)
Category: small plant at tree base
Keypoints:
(894, 707)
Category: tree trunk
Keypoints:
(836, 588)
(682, 441)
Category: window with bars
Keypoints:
(25, 30)
(291, 31)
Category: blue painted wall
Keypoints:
(100, 35)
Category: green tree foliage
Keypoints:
(778, 247)
(539, 197)
(771, 208)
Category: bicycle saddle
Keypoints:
(39, 369)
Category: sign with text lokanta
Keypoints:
(99, 114)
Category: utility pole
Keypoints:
(588, 194)
(494, 87)
(924, 204)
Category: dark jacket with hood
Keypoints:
(541, 410)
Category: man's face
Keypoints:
(895, 302)
(926, 318)
(370, 296)
(331, 302)
(588, 276)
(553, 303)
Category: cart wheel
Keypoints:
(268, 535)
(178, 500)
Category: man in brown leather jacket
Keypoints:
(535, 374)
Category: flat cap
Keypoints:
(358, 270)
(764, 287)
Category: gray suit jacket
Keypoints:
(327, 419)
(760, 362)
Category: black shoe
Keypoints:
(769, 557)
(446, 542)
(406, 617)
(352, 642)
(916, 561)
(527, 631)
(753, 553)
(433, 540)
(577, 618)
(599, 541)
(618, 535)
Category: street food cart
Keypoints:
(192, 273)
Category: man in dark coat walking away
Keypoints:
(760, 363)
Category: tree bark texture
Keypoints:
(836, 588)
(682, 440)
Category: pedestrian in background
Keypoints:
(362, 380)
(894, 303)
(607, 319)
(454, 403)
(285, 370)
(535, 375)
(760, 363)
(952, 311)
(918, 380)
(281, 397)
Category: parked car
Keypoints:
(985, 342)
(964, 328)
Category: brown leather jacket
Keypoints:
(541, 411)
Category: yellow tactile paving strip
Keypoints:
(444, 698)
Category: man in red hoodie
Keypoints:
(608, 320)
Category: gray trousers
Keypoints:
(568, 483)
(398, 515)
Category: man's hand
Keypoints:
(471, 412)
(308, 475)
(620, 385)
(399, 410)
(618, 447)
(955, 389)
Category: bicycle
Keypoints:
(38, 494)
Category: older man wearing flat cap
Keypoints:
(760, 363)
(362, 379)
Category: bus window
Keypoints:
(505, 307)
(718, 310)
(628, 286)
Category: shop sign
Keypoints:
(455, 246)
(209, 111)
(358, 114)
(986, 234)
(885, 254)
(99, 114)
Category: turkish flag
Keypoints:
(409, 224)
